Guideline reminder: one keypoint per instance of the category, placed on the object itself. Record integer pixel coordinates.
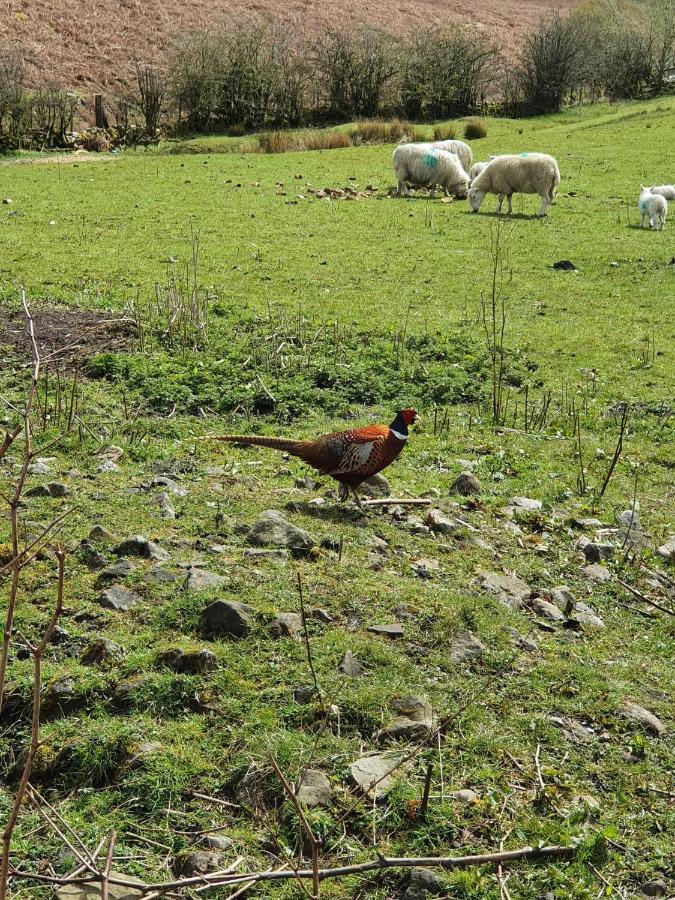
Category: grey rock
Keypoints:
(466, 484)
(630, 518)
(305, 693)
(198, 862)
(563, 598)
(594, 553)
(440, 523)
(526, 503)
(112, 452)
(100, 651)
(374, 562)
(510, 590)
(259, 553)
(376, 487)
(657, 887)
(286, 624)
(667, 550)
(190, 662)
(315, 789)
(466, 648)
(227, 617)
(139, 545)
(119, 569)
(521, 641)
(93, 891)
(99, 533)
(415, 719)
(351, 665)
(274, 529)
(393, 631)
(596, 573)
(118, 598)
(425, 568)
(217, 842)
(641, 716)
(201, 580)
(584, 614)
(166, 507)
(169, 485)
(378, 544)
(587, 523)
(378, 773)
(322, 615)
(40, 490)
(160, 576)
(573, 729)
(465, 796)
(108, 465)
(61, 698)
(546, 610)
(58, 489)
(38, 468)
(306, 484)
(94, 560)
(423, 883)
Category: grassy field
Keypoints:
(321, 313)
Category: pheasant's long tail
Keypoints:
(294, 447)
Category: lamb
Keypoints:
(423, 165)
(654, 207)
(459, 148)
(525, 173)
(666, 190)
(477, 168)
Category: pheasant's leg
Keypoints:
(343, 493)
(358, 501)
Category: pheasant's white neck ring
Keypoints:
(399, 436)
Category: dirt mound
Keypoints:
(92, 44)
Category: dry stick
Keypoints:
(644, 598)
(37, 653)
(43, 802)
(617, 452)
(313, 843)
(425, 795)
(214, 799)
(306, 634)
(105, 874)
(24, 558)
(400, 501)
(632, 511)
(538, 767)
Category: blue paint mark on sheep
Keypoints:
(431, 160)
(644, 205)
(524, 154)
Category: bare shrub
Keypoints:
(445, 73)
(195, 76)
(53, 110)
(550, 64)
(475, 128)
(13, 102)
(445, 132)
(151, 89)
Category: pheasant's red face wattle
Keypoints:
(409, 416)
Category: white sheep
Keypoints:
(423, 165)
(460, 149)
(653, 207)
(666, 190)
(525, 173)
(477, 168)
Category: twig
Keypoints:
(425, 794)
(399, 501)
(105, 874)
(306, 635)
(538, 767)
(214, 799)
(617, 452)
(641, 596)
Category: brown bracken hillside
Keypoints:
(93, 44)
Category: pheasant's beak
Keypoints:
(417, 419)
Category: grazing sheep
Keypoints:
(423, 165)
(654, 207)
(526, 173)
(477, 168)
(666, 190)
(459, 148)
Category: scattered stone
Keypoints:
(564, 599)
(61, 698)
(201, 580)
(258, 553)
(597, 573)
(642, 716)
(667, 550)
(424, 568)
(466, 647)
(197, 862)
(377, 487)
(272, 528)
(108, 466)
(315, 789)
(546, 610)
(415, 719)
(217, 842)
(160, 576)
(351, 665)
(307, 484)
(286, 624)
(93, 559)
(377, 774)
(168, 484)
(118, 598)
(521, 641)
(40, 490)
(440, 523)
(58, 489)
(594, 553)
(465, 796)
(417, 526)
(39, 467)
(93, 891)
(565, 265)
(191, 662)
(393, 631)
(423, 883)
(138, 545)
(573, 729)
(101, 651)
(525, 503)
(305, 693)
(510, 590)
(119, 569)
(657, 887)
(584, 614)
(99, 533)
(112, 452)
(166, 507)
(630, 518)
(322, 615)
(587, 523)
(227, 617)
(466, 484)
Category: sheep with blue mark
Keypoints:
(666, 190)
(524, 173)
(653, 207)
(423, 165)
(459, 148)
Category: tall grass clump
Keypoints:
(380, 131)
(289, 141)
(475, 129)
(445, 132)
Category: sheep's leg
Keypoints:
(432, 191)
(403, 189)
(508, 200)
(544, 206)
(499, 204)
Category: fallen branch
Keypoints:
(645, 599)
(399, 501)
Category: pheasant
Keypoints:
(349, 457)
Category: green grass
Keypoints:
(378, 304)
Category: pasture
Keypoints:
(321, 312)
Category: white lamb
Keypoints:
(653, 207)
(666, 190)
(423, 165)
(460, 149)
(526, 173)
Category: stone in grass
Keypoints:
(190, 662)
(139, 545)
(52, 489)
(521, 641)
(99, 533)
(392, 631)
(584, 614)
(466, 648)
(423, 883)
(257, 554)
(119, 569)
(217, 842)
(440, 523)
(638, 714)
(510, 590)
(227, 618)
(166, 507)
(596, 573)
(595, 553)
(118, 598)
(425, 568)
(378, 773)
(466, 484)
(197, 862)
(201, 580)
(351, 665)
(315, 789)
(526, 503)
(275, 530)
(667, 550)
(466, 795)
(160, 576)
(414, 720)
(546, 610)
(93, 891)
(101, 651)
(286, 624)
(657, 887)
(376, 487)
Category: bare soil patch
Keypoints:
(66, 336)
